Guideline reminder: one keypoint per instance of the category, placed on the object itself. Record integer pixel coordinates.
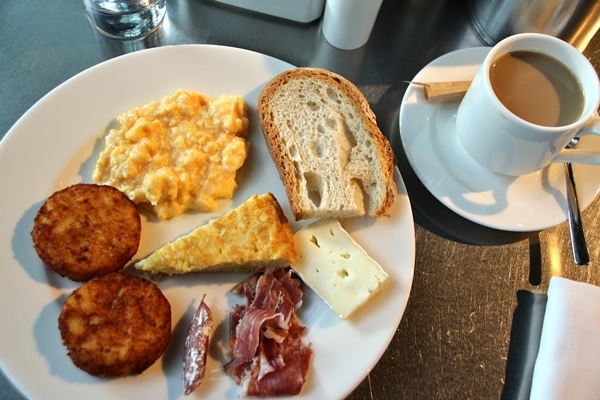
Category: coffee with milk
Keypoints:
(537, 88)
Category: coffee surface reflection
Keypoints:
(537, 88)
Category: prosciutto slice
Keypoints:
(255, 323)
(268, 355)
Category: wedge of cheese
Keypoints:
(255, 236)
(332, 264)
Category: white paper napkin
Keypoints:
(568, 361)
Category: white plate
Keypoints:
(527, 203)
(56, 143)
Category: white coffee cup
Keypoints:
(507, 144)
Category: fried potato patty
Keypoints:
(86, 230)
(115, 325)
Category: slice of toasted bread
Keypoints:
(255, 236)
(323, 137)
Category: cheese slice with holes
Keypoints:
(332, 264)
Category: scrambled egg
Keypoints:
(177, 154)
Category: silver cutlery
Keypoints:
(578, 243)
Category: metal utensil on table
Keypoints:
(578, 243)
(575, 21)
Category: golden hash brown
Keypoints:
(115, 325)
(86, 230)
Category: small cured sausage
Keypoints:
(196, 346)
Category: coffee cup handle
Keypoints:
(582, 156)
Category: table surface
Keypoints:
(454, 338)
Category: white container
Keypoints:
(295, 10)
(347, 24)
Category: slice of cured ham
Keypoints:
(268, 355)
(255, 324)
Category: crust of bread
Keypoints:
(252, 237)
(381, 168)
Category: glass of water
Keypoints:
(126, 19)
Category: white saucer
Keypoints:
(526, 203)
